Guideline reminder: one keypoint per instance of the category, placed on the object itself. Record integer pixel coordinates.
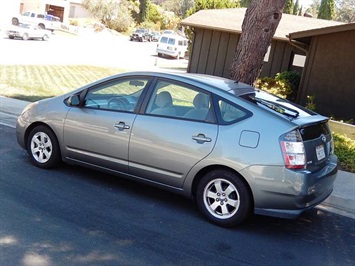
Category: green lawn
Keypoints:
(32, 82)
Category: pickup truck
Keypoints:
(140, 35)
(47, 22)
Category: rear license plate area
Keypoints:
(320, 152)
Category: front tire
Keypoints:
(43, 147)
(14, 21)
(224, 198)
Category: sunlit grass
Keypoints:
(34, 82)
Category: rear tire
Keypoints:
(45, 37)
(43, 147)
(224, 198)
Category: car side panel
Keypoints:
(90, 136)
(163, 149)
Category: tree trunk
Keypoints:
(260, 23)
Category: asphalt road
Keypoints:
(75, 216)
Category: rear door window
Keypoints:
(229, 113)
(181, 101)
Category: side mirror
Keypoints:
(74, 100)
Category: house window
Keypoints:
(299, 60)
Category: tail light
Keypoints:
(293, 150)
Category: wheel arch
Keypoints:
(36, 124)
(199, 175)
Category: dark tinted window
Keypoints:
(313, 132)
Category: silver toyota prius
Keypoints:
(234, 149)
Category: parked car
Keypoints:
(172, 45)
(154, 36)
(44, 21)
(140, 35)
(26, 32)
(232, 148)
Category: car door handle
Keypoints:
(201, 138)
(121, 126)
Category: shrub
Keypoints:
(311, 105)
(345, 150)
(284, 85)
(150, 25)
(73, 22)
(122, 23)
(281, 88)
(294, 79)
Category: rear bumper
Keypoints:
(167, 52)
(286, 193)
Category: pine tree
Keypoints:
(288, 9)
(300, 11)
(245, 3)
(143, 10)
(327, 10)
(296, 8)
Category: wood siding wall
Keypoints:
(329, 75)
(212, 53)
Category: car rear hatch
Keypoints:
(317, 141)
(309, 144)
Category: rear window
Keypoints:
(314, 131)
(171, 41)
(164, 40)
(277, 104)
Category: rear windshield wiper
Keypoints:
(276, 107)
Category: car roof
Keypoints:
(232, 86)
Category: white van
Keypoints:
(172, 45)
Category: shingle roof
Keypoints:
(231, 20)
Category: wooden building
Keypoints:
(296, 41)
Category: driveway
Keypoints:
(86, 48)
